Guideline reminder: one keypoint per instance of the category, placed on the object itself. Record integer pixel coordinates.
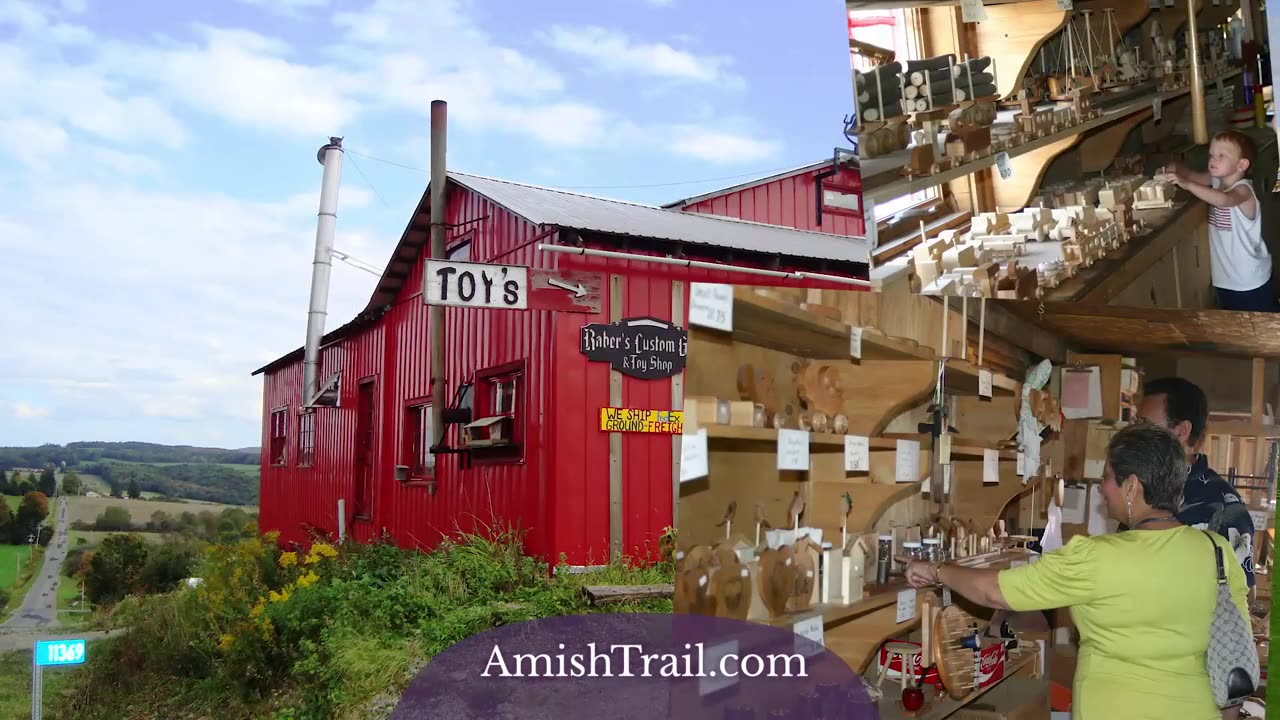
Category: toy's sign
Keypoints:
(644, 348)
(669, 422)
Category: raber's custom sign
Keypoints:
(476, 285)
(645, 348)
(668, 422)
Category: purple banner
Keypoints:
(643, 666)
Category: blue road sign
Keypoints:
(59, 652)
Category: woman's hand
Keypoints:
(921, 573)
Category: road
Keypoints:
(39, 608)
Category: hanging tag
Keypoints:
(810, 629)
(946, 597)
(907, 459)
(1002, 164)
(946, 479)
(990, 466)
(944, 449)
(984, 383)
(793, 449)
(711, 305)
(693, 456)
(1157, 104)
(1022, 463)
(906, 605)
(1064, 4)
(857, 453)
(971, 11)
(855, 343)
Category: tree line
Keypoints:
(86, 452)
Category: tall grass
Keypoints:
(258, 640)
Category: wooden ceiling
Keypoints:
(1132, 331)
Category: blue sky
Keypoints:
(157, 161)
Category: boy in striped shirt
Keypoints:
(1240, 264)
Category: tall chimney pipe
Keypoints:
(435, 316)
(330, 156)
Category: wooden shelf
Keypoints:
(961, 447)
(881, 180)
(858, 642)
(769, 323)
(943, 707)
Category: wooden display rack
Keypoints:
(780, 546)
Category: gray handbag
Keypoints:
(1232, 658)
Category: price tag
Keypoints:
(793, 449)
(1168, 3)
(908, 461)
(1157, 104)
(809, 629)
(857, 453)
(1002, 164)
(855, 343)
(1064, 4)
(693, 456)
(1261, 520)
(711, 305)
(1022, 463)
(990, 466)
(946, 597)
(984, 383)
(944, 449)
(1154, 4)
(946, 479)
(971, 11)
(906, 605)
(725, 657)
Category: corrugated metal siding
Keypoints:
(788, 201)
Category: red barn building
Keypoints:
(575, 490)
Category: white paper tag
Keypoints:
(971, 11)
(810, 629)
(855, 343)
(693, 456)
(906, 605)
(946, 479)
(1002, 164)
(990, 466)
(711, 305)
(1064, 4)
(944, 448)
(1022, 463)
(793, 449)
(857, 453)
(908, 461)
(725, 657)
(984, 383)
(1157, 104)
(946, 597)
(1261, 520)
(1093, 469)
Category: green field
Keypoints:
(15, 685)
(11, 556)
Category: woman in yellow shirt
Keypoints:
(1142, 599)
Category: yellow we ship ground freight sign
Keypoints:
(667, 422)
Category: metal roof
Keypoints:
(546, 206)
(801, 170)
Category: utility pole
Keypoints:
(435, 317)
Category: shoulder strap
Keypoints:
(1217, 551)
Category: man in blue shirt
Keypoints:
(1208, 501)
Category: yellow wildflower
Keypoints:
(226, 641)
(288, 559)
(258, 607)
(324, 550)
(307, 580)
(279, 596)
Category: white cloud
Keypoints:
(613, 51)
(287, 8)
(721, 147)
(25, 411)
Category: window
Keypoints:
(891, 30)
(279, 432)
(419, 433)
(500, 392)
(306, 439)
(460, 252)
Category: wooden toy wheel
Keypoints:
(955, 662)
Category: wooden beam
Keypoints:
(604, 594)
(1021, 333)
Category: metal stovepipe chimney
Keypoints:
(330, 156)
